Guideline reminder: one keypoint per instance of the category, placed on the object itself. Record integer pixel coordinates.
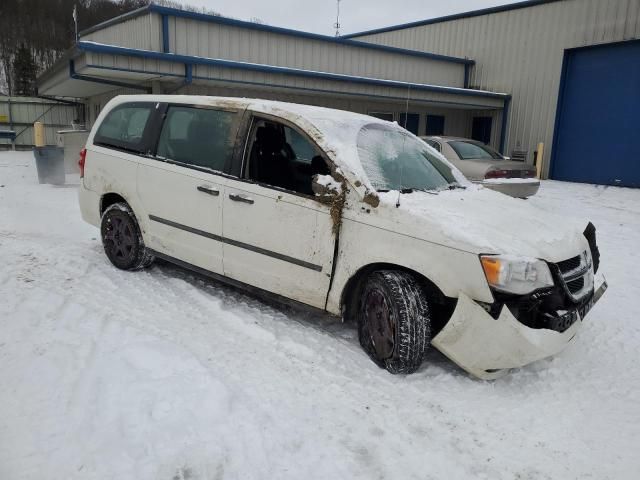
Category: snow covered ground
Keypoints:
(162, 375)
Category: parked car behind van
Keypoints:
(482, 164)
(344, 213)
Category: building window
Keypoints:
(435, 125)
(410, 121)
(481, 129)
(388, 116)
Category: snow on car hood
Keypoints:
(479, 220)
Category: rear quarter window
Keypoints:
(124, 127)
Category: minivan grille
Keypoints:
(569, 265)
(577, 275)
(576, 285)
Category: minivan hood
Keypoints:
(479, 220)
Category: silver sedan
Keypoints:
(482, 164)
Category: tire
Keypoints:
(122, 239)
(394, 322)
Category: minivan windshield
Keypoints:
(474, 150)
(393, 159)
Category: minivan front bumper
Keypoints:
(487, 348)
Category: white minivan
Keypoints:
(342, 212)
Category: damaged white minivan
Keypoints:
(342, 212)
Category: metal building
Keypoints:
(19, 114)
(572, 68)
(164, 50)
(564, 73)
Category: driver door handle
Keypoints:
(209, 190)
(241, 198)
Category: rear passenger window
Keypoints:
(124, 127)
(198, 136)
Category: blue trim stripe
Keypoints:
(505, 124)
(256, 67)
(165, 34)
(561, 93)
(448, 18)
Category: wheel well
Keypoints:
(109, 199)
(442, 305)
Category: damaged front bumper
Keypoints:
(487, 347)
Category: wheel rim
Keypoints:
(381, 325)
(120, 238)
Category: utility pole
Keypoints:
(337, 24)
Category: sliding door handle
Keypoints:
(209, 190)
(240, 198)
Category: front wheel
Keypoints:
(122, 240)
(394, 322)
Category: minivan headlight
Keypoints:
(519, 275)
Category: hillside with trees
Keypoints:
(35, 33)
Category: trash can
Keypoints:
(50, 164)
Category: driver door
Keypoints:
(278, 237)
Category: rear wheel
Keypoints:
(122, 240)
(394, 323)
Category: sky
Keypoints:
(319, 16)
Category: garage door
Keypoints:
(598, 127)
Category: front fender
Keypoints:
(451, 270)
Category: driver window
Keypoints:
(282, 157)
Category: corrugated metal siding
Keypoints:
(521, 52)
(27, 110)
(143, 31)
(276, 80)
(211, 40)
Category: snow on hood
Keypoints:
(479, 220)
